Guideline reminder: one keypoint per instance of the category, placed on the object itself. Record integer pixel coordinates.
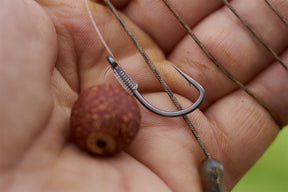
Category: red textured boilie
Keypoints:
(104, 120)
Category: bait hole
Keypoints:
(101, 143)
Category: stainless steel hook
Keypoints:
(131, 87)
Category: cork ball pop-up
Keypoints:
(104, 120)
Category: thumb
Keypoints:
(27, 56)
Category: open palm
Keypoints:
(49, 53)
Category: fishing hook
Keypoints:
(128, 84)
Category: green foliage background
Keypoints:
(270, 173)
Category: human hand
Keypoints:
(49, 53)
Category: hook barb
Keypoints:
(131, 87)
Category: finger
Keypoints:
(156, 20)
(27, 55)
(278, 6)
(232, 46)
(271, 87)
(243, 143)
(245, 131)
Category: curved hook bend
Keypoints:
(128, 84)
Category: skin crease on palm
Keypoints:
(50, 52)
